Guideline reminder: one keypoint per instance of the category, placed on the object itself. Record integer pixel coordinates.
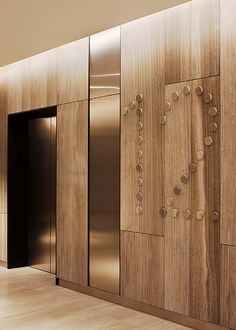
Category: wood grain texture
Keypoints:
(178, 44)
(205, 196)
(3, 165)
(3, 84)
(228, 286)
(177, 239)
(142, 268)
(3, 141)
(72, 192)
(228, 122)
(73, 61)
(142, 71)
(3, 237)
(205, 38)
(43, 79)
(18, 86)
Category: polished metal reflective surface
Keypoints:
(41, 193)
(105, 63)
(104, 191)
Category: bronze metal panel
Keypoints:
(41, 193)
(105, 63)
(104, 190)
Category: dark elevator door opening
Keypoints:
(32, 191)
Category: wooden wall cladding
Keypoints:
(54, 77)
(177, 229)
(192, 41)
(18, 86)
(32, 83)
(43, 79)
(142, 71)
(205, 38)
(3, 237)
(192, 233)
(73, 61)
(178, 44)
(3, 77)
(3, 166)
(228, 122)
(228, 286)
(142, 268)
(72, 195)
(205, 197)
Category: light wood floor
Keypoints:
(30, 300)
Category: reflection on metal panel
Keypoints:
(41, 200)
(104, 174)
(105, 63)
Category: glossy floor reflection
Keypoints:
(30, 300)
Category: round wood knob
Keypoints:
(175, 96)
(199, 91)
(186, 90)
(163, 212)
(187, 214)
(139, 98)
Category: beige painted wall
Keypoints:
(28, 27)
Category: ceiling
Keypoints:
(28, 27)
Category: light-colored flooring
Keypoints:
(29, 299)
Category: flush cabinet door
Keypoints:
(142, 72)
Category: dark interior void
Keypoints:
(31, 189)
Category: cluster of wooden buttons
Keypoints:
(212, 112)
(139, 166)
(185, 177)
(137, 105)
(208, 140)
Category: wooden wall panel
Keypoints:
(142, 268)
(177, 44)
(142, 71)
(205, 192)
(228, 286)
(18, 86)
(3, 237)
(177, 240)
(3, 165)
(205, 41)
(72, 192)
(43, 79)
(228, 122)
(3, 83)
(73, 61)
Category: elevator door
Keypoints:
(41, 193)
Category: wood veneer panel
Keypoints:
(72, 194)
(142, 268)
(3, 237)
(228, 122)
(142, 71)
(177, 230)
(18, 86)
(177, 44)
(73, 60)
(205, 41)
(228, 286)
(3, 165)
(43, 79)
(3, 84)
(205, 192)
